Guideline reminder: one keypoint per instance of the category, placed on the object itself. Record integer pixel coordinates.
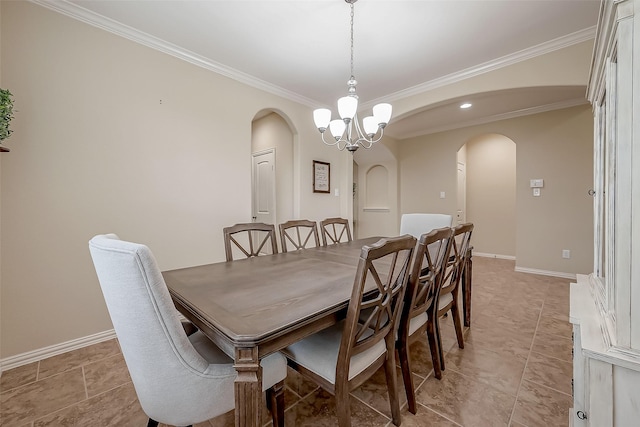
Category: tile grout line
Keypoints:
(524, 371)
(80, 401)
(551, 388)
(84, 381)
(439, 414)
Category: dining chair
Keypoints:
(298, 234)
(180, 380)
(250, 239)
(452, 278)
(419, 311)
(335, 230)
(417, 224)
(343, 356)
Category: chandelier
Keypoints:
(347, 132)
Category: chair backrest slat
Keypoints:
(298, 233)
(427, 273)
(459, 246)
(251, 239)
(335, 230)
(379, 286)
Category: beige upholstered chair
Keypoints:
(249, 239)
(419, 312)
(180, 380)
(417, 224)
(448, 296)
(343, 356)
(297, 234)
(335, 230)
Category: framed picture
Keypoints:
(321, 177)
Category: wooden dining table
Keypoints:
(253, 307)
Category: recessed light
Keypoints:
(466, 105)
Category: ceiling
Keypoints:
(301, 49)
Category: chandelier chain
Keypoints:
(346, 131)
(352, 13)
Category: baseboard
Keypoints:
(528, 270)
(486, 255)
(546, 273)
(54, 350)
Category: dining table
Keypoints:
(253, 307)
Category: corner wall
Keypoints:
(113, 136)
(556, 146)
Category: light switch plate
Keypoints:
(536, 192)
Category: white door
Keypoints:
(263, 188)
(461, 216)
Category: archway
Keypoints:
(490, 163)
(271, 132)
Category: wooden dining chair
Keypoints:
(451, 281)
(250, 239)
(298, 234)
(419, 312)
(335, 230)
(343, 356)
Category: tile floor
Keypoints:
(515, 370)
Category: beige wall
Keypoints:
(556, 146)
(491, 193)
(272, 131)
(112, 136)
(378, 208)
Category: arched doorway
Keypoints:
(489, 164)
(272, 134)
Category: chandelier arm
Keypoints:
(335, 142)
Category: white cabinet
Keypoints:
(605, 305)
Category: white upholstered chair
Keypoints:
(417, 224)
(180, 380)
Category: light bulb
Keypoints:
(347, 106)
(322, 117)
(337, 128)
(370, 125)
(382, 113)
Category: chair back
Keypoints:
(174, 383)
(379, 286)
(249, 240)
(430, 258)
(460, 244)
(297, 234)
(418, 224)
(335, 230)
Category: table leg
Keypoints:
(248, 388)
(466, 287)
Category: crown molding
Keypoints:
(79, 13)
(88, 17)
(514, 58)
(496, 117)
